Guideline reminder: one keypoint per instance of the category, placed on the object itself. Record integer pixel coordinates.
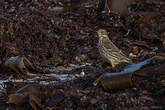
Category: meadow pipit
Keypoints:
(109, 51)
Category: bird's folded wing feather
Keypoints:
(109, 46)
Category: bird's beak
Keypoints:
(97, 31)
(97, 34)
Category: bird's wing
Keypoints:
(108, 44)
(109, 47)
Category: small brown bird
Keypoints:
(109, 51)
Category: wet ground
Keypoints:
(48, 38)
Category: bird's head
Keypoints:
(102, 33)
